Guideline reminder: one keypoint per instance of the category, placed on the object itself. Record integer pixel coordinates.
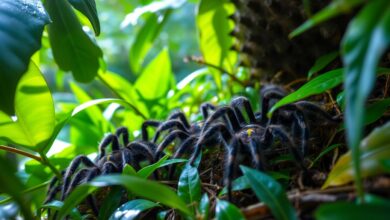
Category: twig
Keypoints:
(46, 161)
(20, 152)
(222, 70)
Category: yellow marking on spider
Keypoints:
(250, 131)
(109, 158)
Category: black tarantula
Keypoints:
(131, 153)
(253, 135)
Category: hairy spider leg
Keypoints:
(277, 131)
(78, 177)
(144, 128)
(255, 150)
(239, 102)
(204, 108)
(219, 129)
(109, 139)
(181, 117)
(138, 148)
(225, 110)
(53, 189)
(310, 108)
(269, 93)
(183, 147)
(81, 159)
(127, 158)
(230, 160)
(177, 134)
(124, 132)
(169, 125)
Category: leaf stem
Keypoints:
(231, 75)
(136, 110)
(21, 152)
(46, 161)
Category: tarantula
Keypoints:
(289, 124)
(122, 153)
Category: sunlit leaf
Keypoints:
(88, 8)
(215, 42)
(21, 27)
(189, 189)
(270, 192)
(148, 170)
(366, 39)
(322, 62)
(145, 39)
(34, 109)
(227, 211)
(73, 50)
(334, 9)
(348, 210)
(373, 149)
(204, 206)
(156, 79)
(130, 210)
(129, 170)
(136, 185)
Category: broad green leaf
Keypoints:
(57, 205)
(376, 110)
(156, 79)
(348, 210)
(10, 184)
(145, 39)
(270, 192)
(322, 62)
(65, 119)
(88, 8)
(21, 27)
(189, 189)
(148, 170)
(111, 202)
(315, 86)
(238, 184)
(204, 207)
(129, 170)
(334, 9)
(373, 149)
(365, 41)
(123, 89)
(137, 186)
(73, 50)
(215, 42)
(227, 211)
(130, 210)
(34, 109)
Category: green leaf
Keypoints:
(88, 8)
(11, 185)
(315, 86)
(130, 210)
(366, 39)
(373, 149)
(189, 189)
(21, 27)
(227, 211)
(271, 193)
(334, 9)
(215, 42)
(156, 79)
(73, 50)
(148, 170)
(57, 205)
(376, 110)
(34, 110)
(145, 39)
(238, 184)
(129, 170)
(204, 207)
(136, 185)
(322, 62)
(345, 210)
(111, 203)
(325, 151)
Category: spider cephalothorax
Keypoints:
(131, 153)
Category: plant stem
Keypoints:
(21, 152)
(46, 161)
(136, 110)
